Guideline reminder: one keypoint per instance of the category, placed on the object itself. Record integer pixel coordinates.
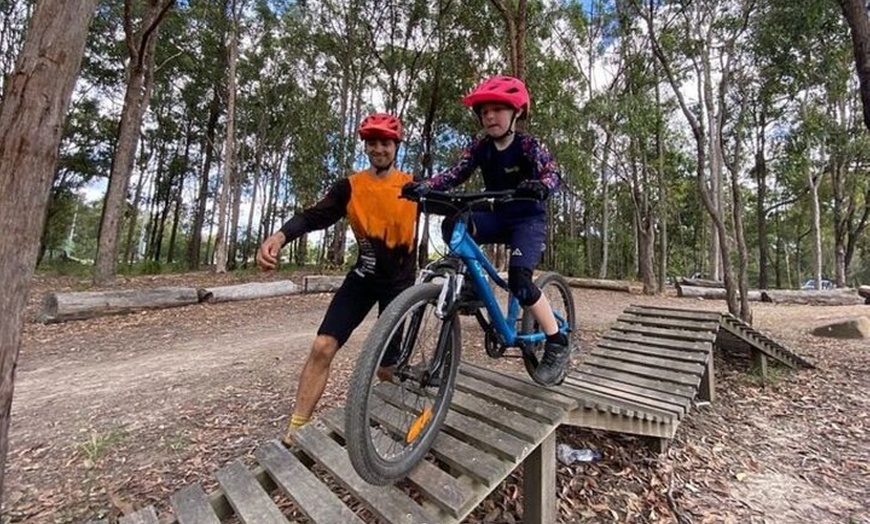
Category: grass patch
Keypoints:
(99, 444)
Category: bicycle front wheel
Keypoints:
(401, 387)
(558, 293)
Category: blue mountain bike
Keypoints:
(401, 388)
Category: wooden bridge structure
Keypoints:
(641, 378)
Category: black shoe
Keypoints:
(551, 370)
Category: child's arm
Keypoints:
(460, 171)
(544, 166)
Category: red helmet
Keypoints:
(380, 125)
(499, 89)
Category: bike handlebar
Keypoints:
(437, 202)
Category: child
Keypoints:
(511, 160)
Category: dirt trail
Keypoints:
(119, 412)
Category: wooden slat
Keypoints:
(538, 410)
(644, 371)
(524, 387)
(476, 432)
(676, 334)
(653, 388)
(310, 495)
(386, 502)
(490, 438)
(496, 415)
(688, 347)
(651, 361)
(447, 492)
(643, 408)
(146, 515)
(669, 323)
(191, 506)
(673, 410)
(673, 354)
(683, 314)
(250, 502)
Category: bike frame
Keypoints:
(478, 267)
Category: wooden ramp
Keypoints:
(496, 424)
(645, 372)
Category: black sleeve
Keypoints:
(322, 214)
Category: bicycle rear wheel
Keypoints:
(391, 424)
(558, 293)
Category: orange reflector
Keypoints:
(418, 425)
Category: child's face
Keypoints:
(496, 118)
(381, 152)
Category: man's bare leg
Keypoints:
(312, 382)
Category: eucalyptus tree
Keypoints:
(229, 181)
(35, 102)
(141, 22)
(691, 37)
(14, 18)
(855, 12)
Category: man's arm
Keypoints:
(321, 215)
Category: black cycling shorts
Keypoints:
(353, 301)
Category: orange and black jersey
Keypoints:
(382, 223)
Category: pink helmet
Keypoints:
(499, 89)
(381, 125)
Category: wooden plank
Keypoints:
(524, 387)
(386, 502)
(644, 371)
(681, 314)
(651, 361)
(464, 458)
(99, 521)
(644, 349)
(191, 506)
(489, 438)
(496, 415)
(594, 419)
(249, 500)
(539, 483)
(685, 346)
(676, 334)
(310, 495)
(538, 410)
(146, 515)
(447, 492)
(669, 323)
(643, 408)
(469, 429)
(653, 388)
(671, 409)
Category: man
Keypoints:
(384, 227)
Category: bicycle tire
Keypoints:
(549, 282)
(409, 396)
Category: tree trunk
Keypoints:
(77, 305)
(830, 297)
(194, 249)
(226, 189)
(855, 12)
(35, 100)
(140, 78)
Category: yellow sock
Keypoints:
(296, 422)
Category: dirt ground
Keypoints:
(115, 413)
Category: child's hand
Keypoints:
(533, 189)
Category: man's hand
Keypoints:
(415, 190)
(267, 255)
